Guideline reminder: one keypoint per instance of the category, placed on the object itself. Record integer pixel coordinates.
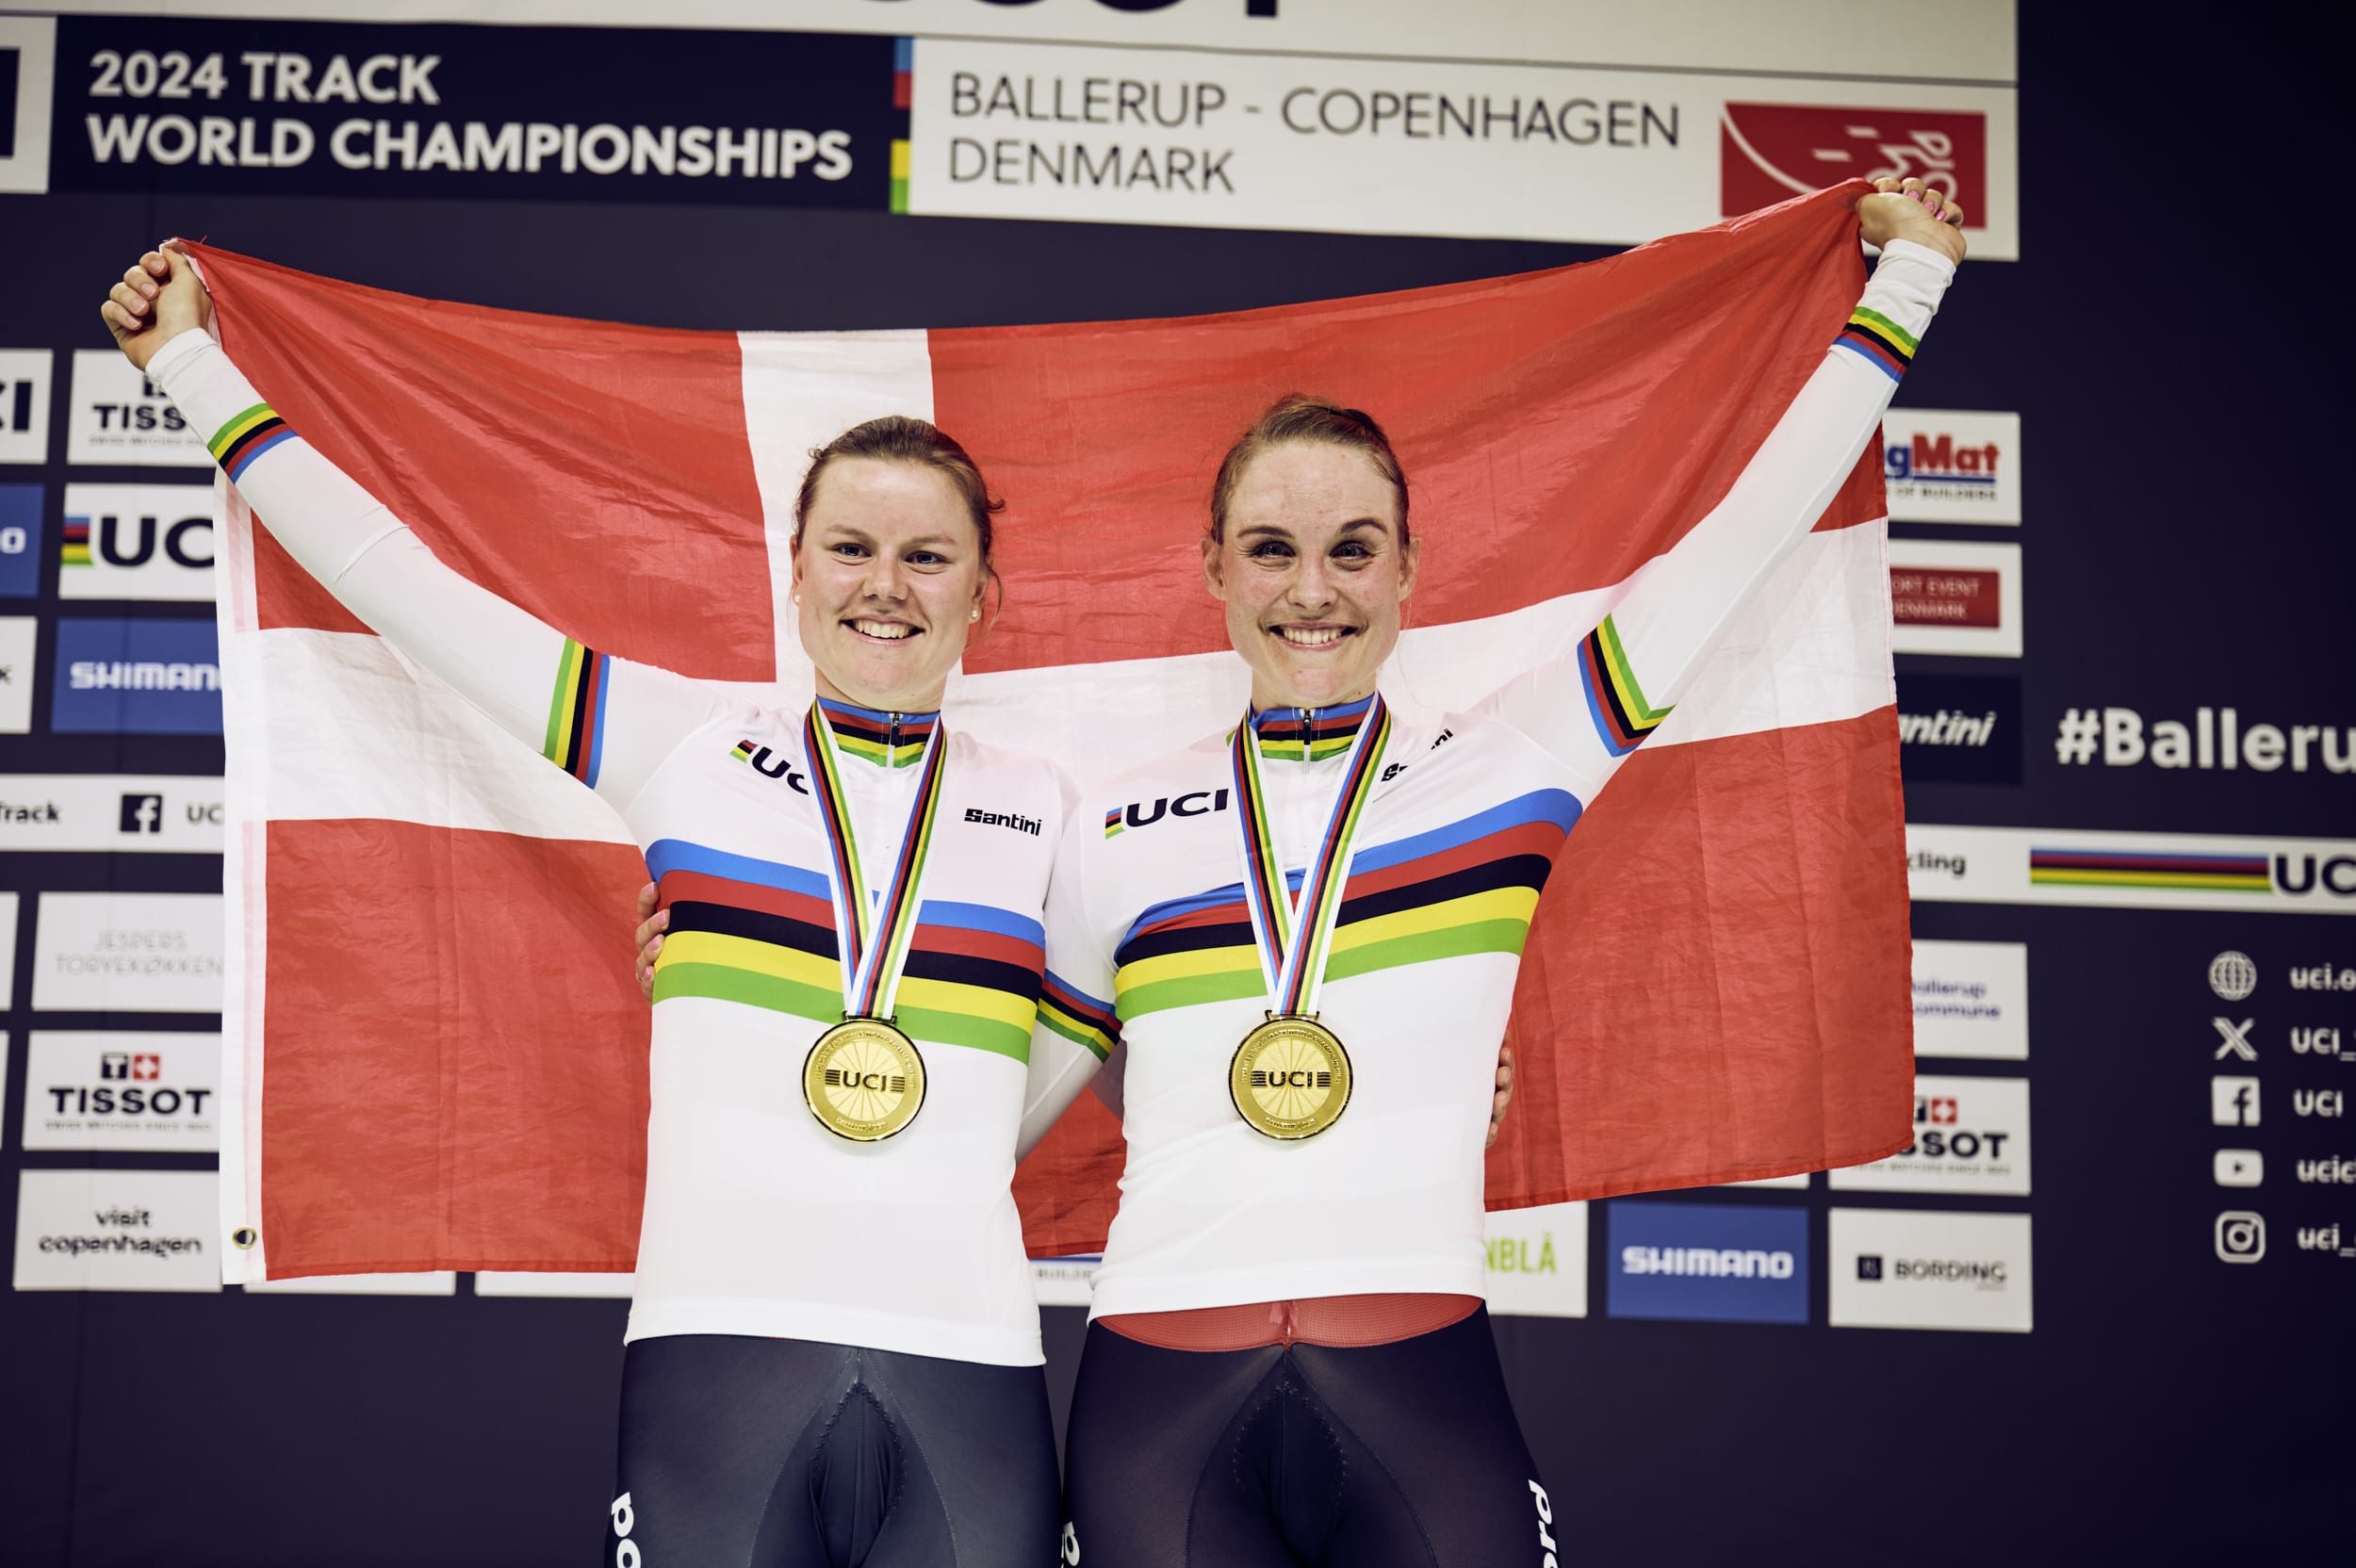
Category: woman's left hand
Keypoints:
(1910, 210)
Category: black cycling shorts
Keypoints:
(1403, 1455)
(782, 1453)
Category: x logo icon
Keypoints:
(2235, 1037)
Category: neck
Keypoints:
(898, 702)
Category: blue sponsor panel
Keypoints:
(1719, 1263)
(144, 678)
(19, 540)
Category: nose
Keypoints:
(1312, 584)
(887, 578)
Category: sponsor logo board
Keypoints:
(136, 542)
(127, 953)
(1354, 144)
(443, 1282)
(1971, 999)
(1959, 730)
(1971, 1134)
(2145, 870)
(1924, 1268)
(117, 415)
(27, 50)
(1955, 598)
(1733, 1263)
(1941, 465)
(116, 813)
(122, 1089)
(20, 638)
(19, 531)
(7, 950)
(1537, 1260)
(517, 1283)
(136, 677)
(24, 375)
(117, 1229)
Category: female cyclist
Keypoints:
(1289, 1361)
(833, 1357)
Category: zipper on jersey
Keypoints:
(891, 740)
(1308, 738)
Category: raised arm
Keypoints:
(550, 692)
(1595, 707)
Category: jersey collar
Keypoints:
(887, 739)
(1309, 734)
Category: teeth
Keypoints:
(1306, 637)
(885, 629)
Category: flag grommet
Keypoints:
(245, 1236)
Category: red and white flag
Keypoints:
(435, 1051)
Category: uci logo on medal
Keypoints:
(1290, 1078)
(863, 1080)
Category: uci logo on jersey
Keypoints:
(1137, 814)
(770, 763)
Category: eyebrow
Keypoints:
(859, 535)
(1272, 530)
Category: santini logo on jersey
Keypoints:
(1003, 818)
(1138, 814)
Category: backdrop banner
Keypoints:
(434, 1056)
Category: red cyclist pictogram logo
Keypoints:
(1769, 153)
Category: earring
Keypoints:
(976, 615)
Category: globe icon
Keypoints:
(2232, 976)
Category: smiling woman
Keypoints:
(843, 1011)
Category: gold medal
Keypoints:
(863, 1080)
(1291, 1077)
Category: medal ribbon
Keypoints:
(1293, 939)
(873, 941)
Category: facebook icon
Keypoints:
(2234, 1102)
(143, 813)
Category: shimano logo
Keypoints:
(1004, 819)
(1717, 1263)
(90, 675)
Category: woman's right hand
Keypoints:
(652, 923)
(157, 298)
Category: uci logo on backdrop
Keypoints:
(136, 542)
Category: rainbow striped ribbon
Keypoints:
(1294, 939)
(873, 941)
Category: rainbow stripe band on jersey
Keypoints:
(889, 741)
(1293, 940)
(1878, 341)
(1078, 1017)
(1310, 734)
(1468, 888)
(237, 443)
(575, 734)
(760, 934)
(1623, 718)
